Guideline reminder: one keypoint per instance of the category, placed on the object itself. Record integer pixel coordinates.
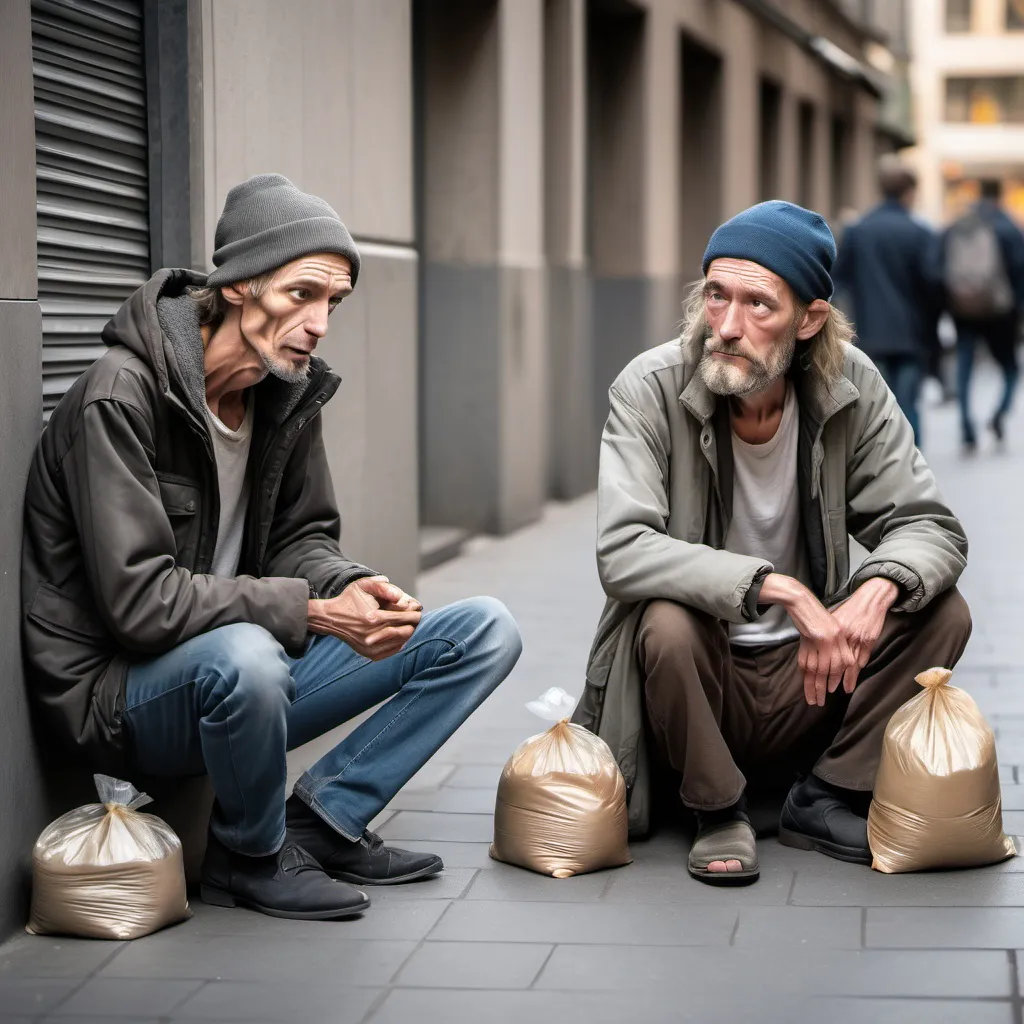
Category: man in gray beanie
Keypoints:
(188, 609)
(735, 463)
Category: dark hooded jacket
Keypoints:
(122, 511)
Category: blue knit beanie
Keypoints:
(792, 242)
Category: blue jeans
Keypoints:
(1001, 337)
(903, 374)
(231, 703)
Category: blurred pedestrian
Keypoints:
(983, 274)
(885, 267)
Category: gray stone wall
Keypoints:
(22, 807)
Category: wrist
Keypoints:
(783, 590)
(316, 616)
(879, 592)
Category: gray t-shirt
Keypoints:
(231, 448)
(766, 519)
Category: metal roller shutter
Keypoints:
(92, 175)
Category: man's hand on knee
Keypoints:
(373, 616)
(861, 618)
(825, 655)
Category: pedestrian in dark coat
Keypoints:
(885, 267)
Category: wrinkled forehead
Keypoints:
(746, 275)
(327, 268)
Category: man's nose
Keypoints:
(316, 322)
(731, 328)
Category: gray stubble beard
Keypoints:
(761, 375)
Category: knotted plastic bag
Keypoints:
(561, 805)
(106, 871)
(937, 802)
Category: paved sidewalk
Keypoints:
(491, 943)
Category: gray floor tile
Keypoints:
(326, 1001)
(910, 1011)
(660, 883)
(449, 885)
(127, 997)
(454, 855)
(506, 882)
(821, 971)
(809, 927)
(499, 965)
(423, 825)
(29, 997)
(386, 919)
(453, 801)
(945, 928)
(41, 956)
(502, 1007)
(429, 778)
(335, 954)
(976, 888)
(484, 921)
(474, 776)
(57, 1019)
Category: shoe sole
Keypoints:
(413, 876)
(220, 898)
(850, 854)
(725, 878)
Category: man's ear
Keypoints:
(813, 320)
(233, 294)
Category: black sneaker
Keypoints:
(288, 884)
(997, 427)
(819, 816)
(364, 862)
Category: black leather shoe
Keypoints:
(819, 816)
(288, 883)
(365, 862)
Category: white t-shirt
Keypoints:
(766, 519)
(231, 448)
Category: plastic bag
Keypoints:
(561, 805)
(105, 871)
(937, 802)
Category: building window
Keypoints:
(985, 100)
(958, 15)
(1015, 15)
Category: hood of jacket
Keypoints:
(159, 324)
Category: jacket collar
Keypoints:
(819, 399)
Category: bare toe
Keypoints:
(733, 865)
(720, 865)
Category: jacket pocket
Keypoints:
(62, 615)
(180, 498)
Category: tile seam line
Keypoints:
(93, 975)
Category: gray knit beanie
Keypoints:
(267, 222)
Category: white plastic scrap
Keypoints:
(553, 705)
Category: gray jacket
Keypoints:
(665, 501)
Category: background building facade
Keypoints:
(531, 183)
(969, 100)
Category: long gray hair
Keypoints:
(824, 353)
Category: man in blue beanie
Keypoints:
(188, 609)
(735, 463)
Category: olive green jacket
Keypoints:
(665, 501)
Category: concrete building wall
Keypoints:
(309, 100)
(956, 151)
(484, 444)
(22, 806)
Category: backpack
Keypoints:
(977, 284)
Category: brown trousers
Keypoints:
(717, 712)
